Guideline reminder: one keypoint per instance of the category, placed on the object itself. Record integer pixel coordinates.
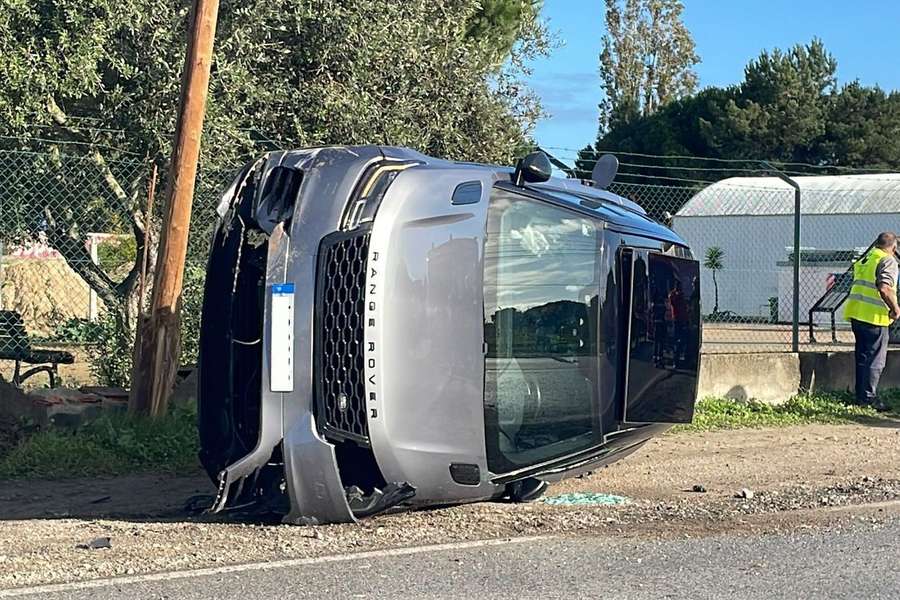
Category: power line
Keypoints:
(83, 118)
(278, 143)
(66, 142)
(682, 179)
(761, 171)
(77, 127)
(598, 152)
(677, 168)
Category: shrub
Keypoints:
(111, 445)
(110, 349)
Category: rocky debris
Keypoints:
(198, 504)
(107, 392)
(153, 533)
(746, 494)
(698, 488)
(67, 408)
(146, 546)
(857, 491)
(58, 407)
(99, 543)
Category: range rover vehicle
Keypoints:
(382, 330)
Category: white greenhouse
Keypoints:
(752, 220)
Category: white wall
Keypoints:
(754, 244)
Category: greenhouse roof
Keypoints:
(838, 194)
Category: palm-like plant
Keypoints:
(714, 261)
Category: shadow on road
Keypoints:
(135, 497)
(887, 422)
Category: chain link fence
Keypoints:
(742, 231)
(67, 241)
(59, 218)
(70, 269)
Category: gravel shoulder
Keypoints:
(857, 560)
(800, 477)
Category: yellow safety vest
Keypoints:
(865, 303)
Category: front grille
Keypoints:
(342, 393)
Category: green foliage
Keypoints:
(782, 103)
(192, 304)
(499, 23)
(861, 127)
(646, 61)
(714, 258)
(422, 73)
(114, 255)
(77, 331)
(110, 445)
(723, 413)
(111, 351)
(788, 108)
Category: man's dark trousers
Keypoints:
(871, 355)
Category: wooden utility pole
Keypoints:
(158, 343)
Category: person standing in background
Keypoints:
(871, 308)
(680, 320)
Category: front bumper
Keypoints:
(287, 424)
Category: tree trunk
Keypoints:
(716, 294)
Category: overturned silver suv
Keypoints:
(382, 330)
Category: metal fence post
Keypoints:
(795, 319)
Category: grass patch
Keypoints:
(119, 444)
(110, 445)
(722, 413)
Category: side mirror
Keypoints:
(534, 168)
(604, 171)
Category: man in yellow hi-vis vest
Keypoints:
(871, 308)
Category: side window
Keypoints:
(541, 308)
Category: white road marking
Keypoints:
(891, 505)
(260, 566)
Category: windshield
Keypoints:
(540, 296)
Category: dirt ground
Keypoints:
(798, 477)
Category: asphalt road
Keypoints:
(858, 561)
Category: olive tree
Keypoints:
(100, 79)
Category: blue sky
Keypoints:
(862, 35)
